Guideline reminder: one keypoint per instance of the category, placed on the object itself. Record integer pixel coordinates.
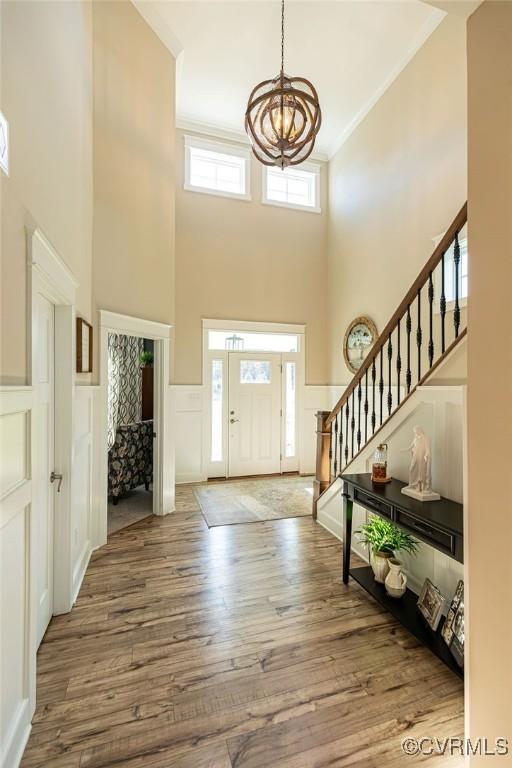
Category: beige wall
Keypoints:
(489, 529)
(134, 136)
(244, 260)
(46, 94)
(394, 185)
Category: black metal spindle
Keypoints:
(419, 334)
(390, 357)
(366, 406)
(374, 376)
(347, 413)
(341, 439)
(456, 262)
(336, 446)
(398, 364)
(381, 386)
(430, 320)
(442, 306)
(353, 422)
(408, 328)
(359, 393)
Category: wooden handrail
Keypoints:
(446, 241)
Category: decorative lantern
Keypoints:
(283, 117)
(235, 343)
(380, 465)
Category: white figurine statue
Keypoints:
(420, 469)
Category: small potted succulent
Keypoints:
(385, 539)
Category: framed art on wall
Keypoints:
(83, 346)
(360, 336)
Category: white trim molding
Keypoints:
(252, 325)
(134, 326)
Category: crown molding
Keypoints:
(433, 21)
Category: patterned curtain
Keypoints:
(124, 382)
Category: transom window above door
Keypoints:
(253, 342)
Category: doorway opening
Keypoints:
(253, 374)
(130, 432)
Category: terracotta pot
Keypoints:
(380, 565)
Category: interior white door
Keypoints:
(43, 377)
(254, 413)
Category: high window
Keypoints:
(293, 187)
(217, 168)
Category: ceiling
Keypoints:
(351, 50)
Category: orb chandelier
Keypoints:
(283, 117)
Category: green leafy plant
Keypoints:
(146, 358)
(383, 536)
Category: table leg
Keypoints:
(347, 535)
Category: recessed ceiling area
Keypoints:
(351, 51)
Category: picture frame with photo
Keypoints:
(453, 627)
(430, 604)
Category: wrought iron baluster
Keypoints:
(374, 376)
(430, 320)
(381, 386)
(336, 446)
(347, 413)
(398, 364)
(419, 334)
(408, 328)
(353, 421)
(456, 262)
(442, 306)
(390, 357)
(359, 394)
(341, 439)
(366, 406)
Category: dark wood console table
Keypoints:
(438, 523)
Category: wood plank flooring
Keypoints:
(236, 646)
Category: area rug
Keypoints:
(254, 500)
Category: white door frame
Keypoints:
(51, 278)
(163, 455)
(299, 357)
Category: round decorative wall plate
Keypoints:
(359, 339)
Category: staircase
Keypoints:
(425, 328)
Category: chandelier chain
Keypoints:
(282, 35)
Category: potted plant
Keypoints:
(146, 359)
(385, 539)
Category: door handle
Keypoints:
(232, 421)
(53, 477)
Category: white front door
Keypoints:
(43, 378)
(254, 413)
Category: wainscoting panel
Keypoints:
(17, 618)
(189, 433)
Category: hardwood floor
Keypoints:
(234, 646)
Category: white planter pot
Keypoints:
(380, 565)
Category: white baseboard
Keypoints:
(16, 740)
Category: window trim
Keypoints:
(226, 149)
(314, 168)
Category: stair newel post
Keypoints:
(336, 446)
(366, 406)
(430, 320)
(347, 413)
(408, 328)
(323, 461)
(390, 357)
(353, 422)
(456, 263)
(442, 307)
(359, 393)
(374, 377)
(419, 334)
(381, 385)
(398, 363)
